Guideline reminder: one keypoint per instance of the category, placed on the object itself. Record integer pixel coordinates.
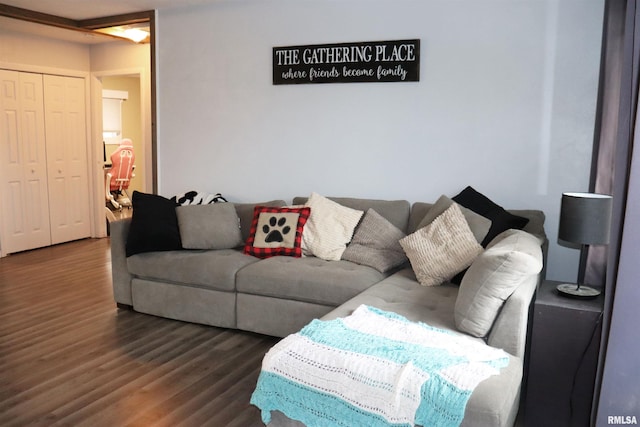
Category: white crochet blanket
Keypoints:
(373, 368)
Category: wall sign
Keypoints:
(363, 62)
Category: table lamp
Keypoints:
(585, 220)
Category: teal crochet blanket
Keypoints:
(373, 368)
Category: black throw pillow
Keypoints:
(154, 225)
(501, 220)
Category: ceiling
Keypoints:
(88, 9)
(81, 10)
(17, 26)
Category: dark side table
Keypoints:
(563, 355)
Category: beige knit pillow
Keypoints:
(442, 249)
(329, 228)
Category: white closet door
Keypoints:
(23, 168)
(64, 106)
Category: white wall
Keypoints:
(40, 53)
(505, 103)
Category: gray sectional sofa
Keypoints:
(279, 295)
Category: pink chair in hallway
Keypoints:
(119, 176)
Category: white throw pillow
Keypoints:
(442, 249)
(510, 258)
(329, 228)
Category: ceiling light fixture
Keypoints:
(136, 33)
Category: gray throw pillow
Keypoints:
(511, 258)
(376, 244)
(213, 226)
(478, 224)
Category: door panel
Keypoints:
(44, 189)
(23, 170)
(67, 158)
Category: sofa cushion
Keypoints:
(329, 228)
(443, 248)
(308, 279)
(401, 293)
(154, 225)
(418, 211)
(535, 225)
(208, 269)
(209, 226)
(276, 231)
(376, 243)
(501, 219)
(478, 224)
(509, 260)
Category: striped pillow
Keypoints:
(442, 249)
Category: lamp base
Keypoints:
(574, 291)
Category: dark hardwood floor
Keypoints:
(69, 357)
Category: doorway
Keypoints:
(128, 98)
(131, 123)
(136, 125)
(145, 157)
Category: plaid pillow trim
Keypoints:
(295, 251)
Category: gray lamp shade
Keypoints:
(585, 218)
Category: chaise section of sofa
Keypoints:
(495, 401)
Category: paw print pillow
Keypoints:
(276, 231)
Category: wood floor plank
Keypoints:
(70, 357)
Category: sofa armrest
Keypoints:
(119, 230)
(509, 330)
